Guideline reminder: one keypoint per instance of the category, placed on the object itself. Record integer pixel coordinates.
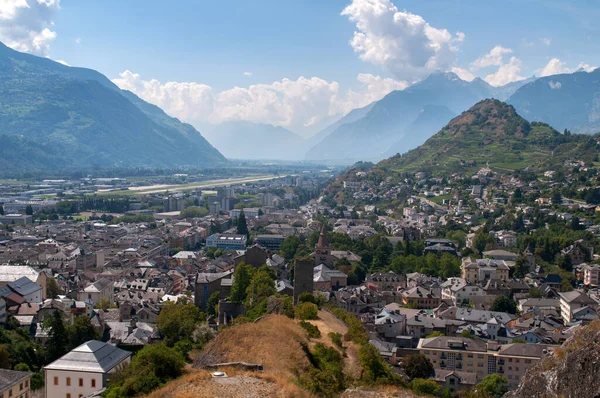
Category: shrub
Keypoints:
(422, 386)
(312, 330)
(336, 338)
(307, 311)
(417, 366)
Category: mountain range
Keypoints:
(404, 119)
(57, 117)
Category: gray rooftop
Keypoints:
(11, 377)
(93, 356)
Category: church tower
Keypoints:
(322, 250)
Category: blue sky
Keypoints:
(204, 48)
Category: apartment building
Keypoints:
(572, 301)
(482, 359)
(14, 384)
(591, 274)
(481, 270)
(227, 241)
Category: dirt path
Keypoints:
(329, 323)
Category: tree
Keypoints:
(4, 356)
(565, 262)
(152, 366)
(194, 212)
(103, 304)
(82, 331)
(467, 334)
(504, 304)
(376, 370)
(434, 334)
(242, 225)
(521, 267)
(177, 322)
(418, 366)
(261, 286)
(535, 292)
(29, 210)
(242, 277)
(213, 303)
(493, 385)
(289, 247)
(52, 288)
(58, 337)
(1, 210)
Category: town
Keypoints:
(472, 276)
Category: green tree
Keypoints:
(418, 366)
(467, 334)
(213, 303)
(177, 322)
(289, 247)
(29, 210)
(152, 366)
(535, 292)
(521, 267)
(4, 356)
(493, 385)
(194, 212)
(82, 331)
(376, 370)
(242, 277)
(58, 337)
(261, 286)
(52, 288)
(434, 334)
(504, 304)
(242, 225)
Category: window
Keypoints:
(10, 392)
(21, 387)
(26, 383)
(93, 382)
(80, 382)
(68, 395)
(68, 381)
(55, 380)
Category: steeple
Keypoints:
(323, 243)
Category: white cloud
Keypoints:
(556, 67)
(78, 40)
(506, 73)
(463, 73)
(248, 74)
(555, 85)
(400, 42)
(493, 58)
(295, 104)
(546, 41)
(26, 25)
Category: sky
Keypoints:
(300, 64)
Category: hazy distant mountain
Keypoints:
(248, 140)
(569, 101)
(431, 118)
(53, 116)
(398, 122)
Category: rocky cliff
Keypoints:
(572, 371)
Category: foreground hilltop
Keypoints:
(492, 134)
(57, 117)
(572, 371)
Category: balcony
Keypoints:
(501, 362)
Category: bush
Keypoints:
(356, 332)
(376, 370)
(312, 330)
(307, 311)
(417, 366)
(336, 338)
(326, 378)
(422, 386)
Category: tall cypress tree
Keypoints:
(242, 225)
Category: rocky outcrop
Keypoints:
(572, 371)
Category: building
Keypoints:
(591, 274)
(440, 246)
(571, 301)
(322, 250)
(102, 289)
(208, 283)
(14, 384)
(386, 281)
(84, 370)
(11, 219)
(325, 278)
(227, 241)
(418, 297)
(481, 270)
(173, 203)
(271, 242)
(480, 358)
(457, 290)
(10, 273)
(249, 213)
(2, 311)
(303, 278)
(25, 288)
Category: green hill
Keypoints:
(58, 117)
(492, 134)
